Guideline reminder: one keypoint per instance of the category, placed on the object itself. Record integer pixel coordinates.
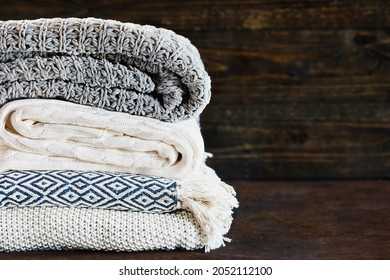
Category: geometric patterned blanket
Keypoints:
(92, 189)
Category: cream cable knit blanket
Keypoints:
(51, 134)
(124, 67)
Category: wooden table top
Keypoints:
(287, 220)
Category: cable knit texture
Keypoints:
(52, 134)
(38, 134)
(124, 67)
(100, 145)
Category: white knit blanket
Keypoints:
(55, 228)
(43, 134)
(58, 135)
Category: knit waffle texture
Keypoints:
(52, 228)
(100, 143)
(124, 67)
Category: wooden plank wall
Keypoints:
(301, 89)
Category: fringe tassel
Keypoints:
(212, 202)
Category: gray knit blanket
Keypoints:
(124, 67)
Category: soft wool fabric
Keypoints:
(65, 228)
(119, 163)
(124, 67)
(58, 135)
(40, 134)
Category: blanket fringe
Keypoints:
(211, 201)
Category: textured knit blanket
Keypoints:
(54, 228)
(46, 136)
(124, 67)
(43, 134)
(100, 147)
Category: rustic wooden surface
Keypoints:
(301, 89)
(288, 220)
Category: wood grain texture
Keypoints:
(209, 15)
(287, 220)
(301, 89)
(317, 109)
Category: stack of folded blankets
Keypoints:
(100, 145)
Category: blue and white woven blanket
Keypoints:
(61, 209)
(94, 189)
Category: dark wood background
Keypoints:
(300, 88)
